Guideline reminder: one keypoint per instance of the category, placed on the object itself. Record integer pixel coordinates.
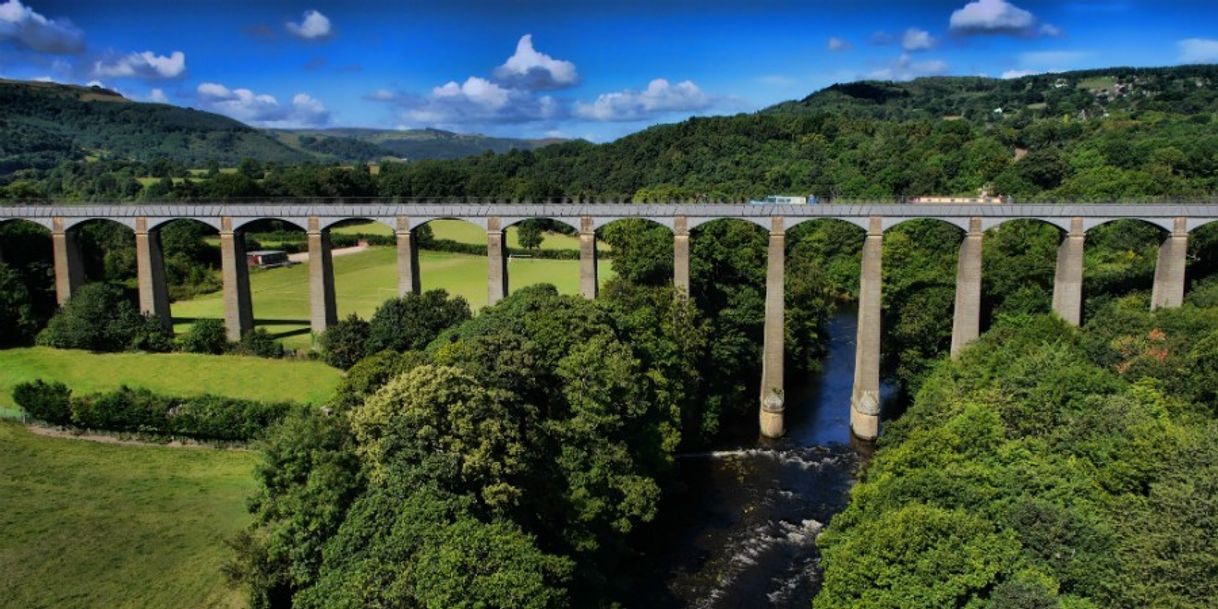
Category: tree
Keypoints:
(18, 322)
(345, 343)
(100, 317)
(530, 234)
(205, 336)
(250, 168)
(414, 320)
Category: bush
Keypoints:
(205, 417)
(344, 343)
(205, 336)
(18, 323)
(100, 317)
(47, 402)
(260, 343)
(412, 321)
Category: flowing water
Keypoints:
(743, 535)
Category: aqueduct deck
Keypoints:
(1073, 220)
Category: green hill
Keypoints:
(42, 124)
(1182, 89)
(353, 144)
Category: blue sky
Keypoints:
(590, 69)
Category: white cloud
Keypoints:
(96, 83)
(381, 95)
(262, 109)
(905, 68)
(1051, 31)
(477, 101)
(1009, 74)
(143, 65)
(659, 97)
(23, 27)
(992, 17)
(44, 79)
(839, 44)
(529, 69)
(917, 40)
(1198, 50)
(157, 96)
(314, 26)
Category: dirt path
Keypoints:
(107, 438)
(342, 251)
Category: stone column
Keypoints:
(588, 281)
(772, 395)
(69, 270)
(150, 271)
(966, 320)
(865, 398)
(496, 257)
(408, 258)
(235, 272)
(323, 309)
(680, 255)
(1168, 290)
(1068, 278)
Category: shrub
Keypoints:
(260, 343)
(412, 321)
(205, 417)
(100, 317)
(344, 343)
(205, 336)
(47, 402)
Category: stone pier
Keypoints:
(966, 318)
(588, 285)
(680, 255)
(865, 398)
(1168, 289)
(150, 272)
(323, 310)
(496, 257)
(773, 352)
(235, 273)
(408, 258)
(69, 270)
(1068, 278)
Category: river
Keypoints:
(743, 534)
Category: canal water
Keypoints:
(743, 533)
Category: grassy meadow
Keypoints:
(173, 373)
(364, 280)
(87, 524)
(465, 232)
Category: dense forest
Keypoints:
(1110, 135)
(1048, 467)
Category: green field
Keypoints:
(364, 280)
(87, 525)
(172, 373)
(465, 232)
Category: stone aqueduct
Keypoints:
(1073, 220)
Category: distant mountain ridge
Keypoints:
(43, 124)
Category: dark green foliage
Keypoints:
(100, 317)
(205, 336)
(1068, 469)
(260, 343)
(47, 402)
(414, 320)
(204, 417)
(530, 235)
(18, 322)
(344, 343)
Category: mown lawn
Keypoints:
(172, 373)
(364, 280)
(465, 232)
(88, 525)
